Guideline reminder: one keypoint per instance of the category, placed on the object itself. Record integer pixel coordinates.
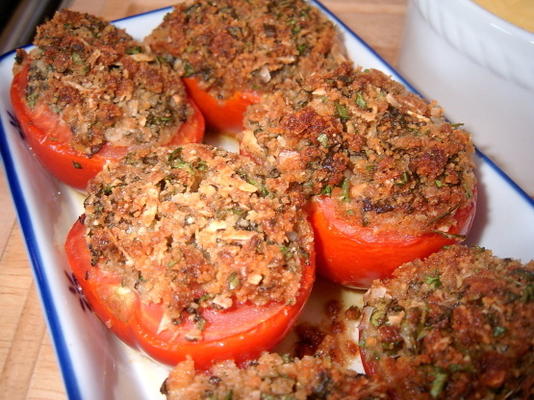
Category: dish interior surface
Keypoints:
(96, 365)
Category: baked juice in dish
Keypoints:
(272, 376)
(231, 51)
(193, 251)
(456, 325)
(389, 179)
(89, 93)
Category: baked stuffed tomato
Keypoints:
(457, 325)
(192, 252)
(89, 93)
(231, 51)
(389, 180)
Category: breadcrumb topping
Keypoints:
(102, 84)
(235, 45)
(456, 325)
(388, 157)
(197, 227)
(272, 376)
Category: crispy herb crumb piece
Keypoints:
(192, 228)
(469, 337)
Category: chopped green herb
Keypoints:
(451, 236)
(378, 317)
(175, 155)
(528, 293)
(229, 395)
(200, 323)
(360, 101)
(438, 183)
(323, 139)
(191, 9)
(422, 333)
(201, 165)
(188, 69)
(234, 31)
(499, 331)
(76, 58)
(134, 50)
(286, 358)
(370, 168)
(345, 190)
(342, 112)
(403, 180)
(233, 281)
(440, 379)
(302, 48)
(31, 98)
(205, 297)
(433, 281)
(327, 190)
(286, 251)
(458, 125)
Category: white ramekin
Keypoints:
(480, 68)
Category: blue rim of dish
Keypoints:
(63, 354)
(32, 247)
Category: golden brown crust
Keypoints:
(272, 377)
(254, 45)
(101, 82)
(456, 325)
(197, 227)
(388, 157)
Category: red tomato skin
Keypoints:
(240, 333)
(48, 138)
(103, 305)
(354, 255)
(223, 116)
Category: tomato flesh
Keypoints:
(354, 256)
(223, 116)
(241, 333)
(48, 137)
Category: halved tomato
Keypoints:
(223, 116)
(240, 333)
(49, 137)
(354, 255)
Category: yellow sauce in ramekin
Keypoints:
(518, 12)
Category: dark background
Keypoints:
(19, 18)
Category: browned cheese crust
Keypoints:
(100, 81)
(387, 157)
(458, 325)
(197, 227)
(271, 377)
(236, 45)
